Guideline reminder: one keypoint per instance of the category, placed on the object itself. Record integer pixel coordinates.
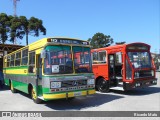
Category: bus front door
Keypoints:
(38, 71)
(111, 66)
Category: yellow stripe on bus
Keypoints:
(64, 95)
(91, 92)
(17, 71)
(54, 96)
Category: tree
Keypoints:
(100, 40)
(22, 26)
(4, 27)
(35, 26)
(17, 30)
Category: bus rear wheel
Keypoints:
(34, 96)
(102, 85)
(13, 90)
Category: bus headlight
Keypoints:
(136, 74)
(55, 84)
(90, 82)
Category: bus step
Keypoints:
(117, 88)
(120, 84)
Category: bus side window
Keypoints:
(18, 59)
(95, 57)
(99, 57)
(24, 57)
(31, 62)
(12, 60)
(118, 58)
(102, 57)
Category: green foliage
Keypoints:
(22, 26)
(16, 29)
(19, 27)
(35, 26)
(4, 27)
(100, 40)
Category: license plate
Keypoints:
(77, 93)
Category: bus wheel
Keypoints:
(34, 96)
(103, 85)
(13, 90)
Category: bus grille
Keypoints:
(145, 73)
(74, 83)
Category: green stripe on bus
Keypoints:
(16, 67)
(48, 91)
(23, 86)
(70, 75)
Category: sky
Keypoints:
(124, 20)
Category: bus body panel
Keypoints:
(100, 71)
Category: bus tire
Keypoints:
(34, 97)
(13, 90)
(102, 85)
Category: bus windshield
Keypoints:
(140, 59)
(82, 59)
(59, 60)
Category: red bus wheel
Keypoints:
(102, 85)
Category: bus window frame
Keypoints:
(98, 57)
(19, 58)
(117, 54)
(32, 67)
(12, 60)
(25, 57)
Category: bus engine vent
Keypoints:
(74, 83)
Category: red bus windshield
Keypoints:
(140, 59)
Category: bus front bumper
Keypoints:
(66, 95)
(140, 84)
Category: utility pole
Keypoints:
(15, 7)
(15, 13)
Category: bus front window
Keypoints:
(58, 60)
(82, 59)
(140, 59)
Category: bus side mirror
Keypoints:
(43, 54)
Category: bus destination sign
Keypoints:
(68, 41)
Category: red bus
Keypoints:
(123, 67)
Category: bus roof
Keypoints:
(122, 46)
(42, 42)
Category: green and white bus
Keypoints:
(51, 68)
